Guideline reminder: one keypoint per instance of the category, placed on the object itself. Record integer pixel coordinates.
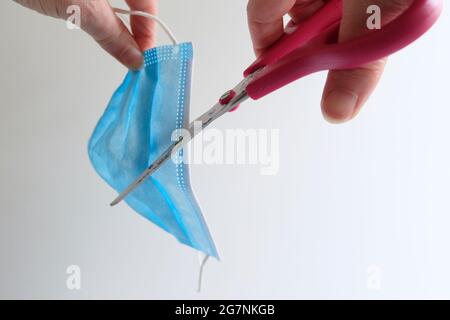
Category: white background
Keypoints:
(372, 194)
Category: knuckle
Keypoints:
(110, 40)
(89, 10)
(87, 13)
(91, 16)
(375, 67)
(107, 40)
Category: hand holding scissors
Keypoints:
(307, 47)
(346, 91)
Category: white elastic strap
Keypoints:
(150, 16)
(202, 259)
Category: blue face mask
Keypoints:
(136, 128)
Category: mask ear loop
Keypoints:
(152, 17)
(202, 258)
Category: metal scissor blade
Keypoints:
(149, 171)
(219, 109)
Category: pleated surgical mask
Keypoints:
(137, 127)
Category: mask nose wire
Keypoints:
(149, 16)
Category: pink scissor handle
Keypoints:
(297, 35)
(313, 46)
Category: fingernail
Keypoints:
(339, 106)
(135, 58)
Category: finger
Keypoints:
(265, 19)
(304, 9)
(143, 28)
(346, 91)
(99, 20)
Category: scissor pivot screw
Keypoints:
(227, 97)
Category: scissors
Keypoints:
(305, 48)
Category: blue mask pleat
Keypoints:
(136, 128)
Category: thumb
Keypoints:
(346, 91)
